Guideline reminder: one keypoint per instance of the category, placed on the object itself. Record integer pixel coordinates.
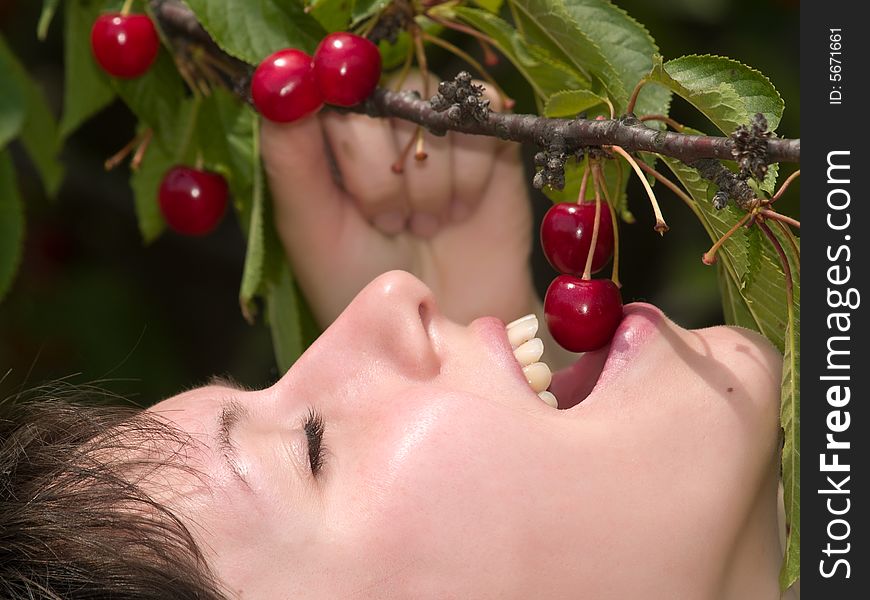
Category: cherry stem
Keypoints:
(670, 185)
(398, 167)
(367, 28)
(614, 276)
(420, 149)
(587, 271)
(660, 225)
(709, 257)
(784, 186)
(507, 101)
(772, 214)
(461, 28)
(664, 119)
(141, 149)
(116, 159)
(786, 268)
(125, 10)
(629, 109)
(406, 68)
(792, 242)
(417, 34)
(584, 181)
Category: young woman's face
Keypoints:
(445, 476)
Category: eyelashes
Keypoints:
(314, 427)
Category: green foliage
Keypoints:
(725, 90)
(87, 90)
(363, 9)
(544, 73)
(253, 29)
(49, 8)
(11, 223)
(12, 100)
(571, 102)
(601, 41)
(38, 131)
(333, 15)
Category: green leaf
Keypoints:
(290, 319)
(12, 101)
(493, 6)
(600, 40)
(145, 183)
(223, 140)
(252, 273)
(363, 9)
(11, 223)
(333, 15)
(282, 305)
(790, 417)
(546, 74)
(38, 132)
(769, 183)
(49, 7)
(570, 103)
(158, 99)
(727, 92)
(253, 29)
(86, 88)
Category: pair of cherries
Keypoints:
(582, 314)
(290, 84)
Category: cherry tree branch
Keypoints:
(179, 24)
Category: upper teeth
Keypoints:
(528, 350)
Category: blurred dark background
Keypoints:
(91, 302)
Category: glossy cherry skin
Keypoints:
(192, 201)
(124, 46)
(566, 234)
(582, 314)
(283, 87)
(347, 68)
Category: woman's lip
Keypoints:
(639, 325)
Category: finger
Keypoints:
(364, 149)
(306, 199)
(427, 181)
(472, 164)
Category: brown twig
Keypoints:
(177, 20)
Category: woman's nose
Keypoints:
(390, 321)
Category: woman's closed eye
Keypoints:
(313, 427)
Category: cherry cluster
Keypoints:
(286, 86)
(582, 313)
(289, 84)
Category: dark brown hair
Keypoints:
(74, 524)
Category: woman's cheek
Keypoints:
(415, 469)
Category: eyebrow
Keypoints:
(232, 412)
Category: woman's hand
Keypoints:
(459, 220)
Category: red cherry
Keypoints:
(566, 233)
(124, 45)
(283, 87)
(192, 201)
(347, 68)
(582, 314)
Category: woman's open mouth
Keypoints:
(573, 384)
